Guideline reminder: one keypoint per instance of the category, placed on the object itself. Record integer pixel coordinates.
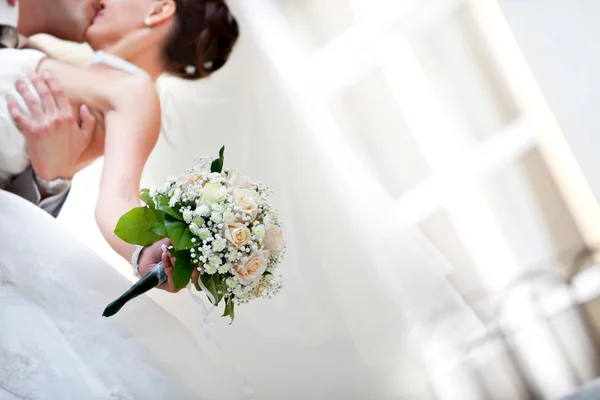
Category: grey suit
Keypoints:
(23, 185)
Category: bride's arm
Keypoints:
(131, 133)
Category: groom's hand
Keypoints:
(154, 254)
(55, 138)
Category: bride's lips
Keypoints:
(95, 13)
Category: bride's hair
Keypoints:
(204, 34)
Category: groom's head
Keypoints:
(65, 19)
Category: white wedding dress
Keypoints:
(54, 343)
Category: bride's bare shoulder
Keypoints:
(103, 88)
(134, 90)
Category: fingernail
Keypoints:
(46, 74)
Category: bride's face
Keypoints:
(119, 18)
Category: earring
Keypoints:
(147, 21)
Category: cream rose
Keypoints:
(214, 192)
(239, 180)
(273, 240)
(252, 270)
(246, 201)
(237, 234)
(192, 178)
(262, 288)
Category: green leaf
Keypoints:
(181, 255)
(157, 226)
(179, 233)
(215, 286)
(229, 309)
(145, 197)
(163, 205)
(136, 226)
(198, 288)
(182, 272)
(217, 165)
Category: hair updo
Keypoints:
(203, 36)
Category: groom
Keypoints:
(50, 136)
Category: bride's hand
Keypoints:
(154, 254)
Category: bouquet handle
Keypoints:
(154, 278)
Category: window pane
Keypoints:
(317, 22)
(369, 115)
(532, 214)
(462, 71)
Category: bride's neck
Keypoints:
(139, 50)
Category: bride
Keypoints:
(54, 344)
(140, 40)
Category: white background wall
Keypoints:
(559, 39)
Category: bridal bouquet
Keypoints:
(221, 223)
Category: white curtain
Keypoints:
(366, 311)
(354, 284)
(362, 298)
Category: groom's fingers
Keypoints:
(23, 123)
(57, 92)
(45, 94)
(34, 105)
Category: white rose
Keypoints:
(229, 217)
(246, 201)
(175, 198)
(216, 217)
(268, 221)
(239, 180)
(194, 229)
(210, 269)
(231, 283)
(252, 270)
(214, 192)
(202, 210)
(233, 255)
(188, 216)
(274, 239)
(203, 233)
(219, 244)
(259, 231)
(214, 177)
(215, 261)
(237, 234)
(225, 268)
